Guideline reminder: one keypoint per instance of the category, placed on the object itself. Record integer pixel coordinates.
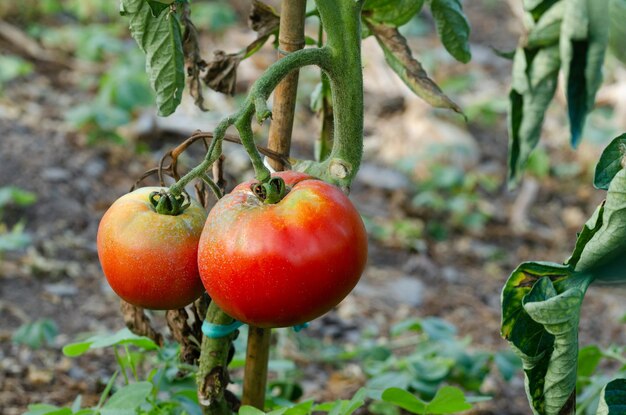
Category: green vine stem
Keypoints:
(340, 59)
(342, 22)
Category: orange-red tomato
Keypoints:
(150, 259)
(278, 265)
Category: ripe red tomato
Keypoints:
(150, 259)
(278, 265)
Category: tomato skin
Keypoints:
(149, 259)
(283, 264)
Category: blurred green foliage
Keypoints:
(14, 238)
(455, 199)
(36, 334)
(13, 67)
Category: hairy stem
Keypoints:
(255, 103)
(342, 22)
(212, 377)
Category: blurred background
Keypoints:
(78, 127)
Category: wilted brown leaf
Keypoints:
(263, 19)
(399, 57)
(193, 61)
(221, 72)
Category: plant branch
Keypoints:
(342, 22)
(254, 104)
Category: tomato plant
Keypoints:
(149, 258)
(282, 264)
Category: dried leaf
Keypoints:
(401, 60)
(263, 19)
(193, 61)
(221, 72)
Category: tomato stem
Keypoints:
(212, 376)
(165, 203)
(271, 192)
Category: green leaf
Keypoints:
(540, 312)
(411, 324)
(610, 162)
(44, 409)
(453, 28)
(378, 384)
(250, 410)
(124, 336)
(583, 42)
(14, 240)
(392, 12)
(36, 334)
(535, 75)
(17, 196)
(127, 399)
(400, 58)
(588, 359)
(438, 329)
(508, 363)
(603, 254)
(546, 31)
(447, 400)
(589, 230)
(157, 7)
(160, 39)
(12, 67)
(404, 400)
(617, 29)
(613, 398)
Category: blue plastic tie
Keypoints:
(215, 331)
(300, 327)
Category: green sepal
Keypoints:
(165, 203)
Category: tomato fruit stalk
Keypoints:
(282, 264)
(148, 258)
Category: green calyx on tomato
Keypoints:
(166, 203)
(286, 263)
(271, 192)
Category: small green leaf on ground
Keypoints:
(127, 399)
(447, 400)
(17, 196)
(36, 334)
(122, 337)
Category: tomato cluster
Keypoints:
(268, 265)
